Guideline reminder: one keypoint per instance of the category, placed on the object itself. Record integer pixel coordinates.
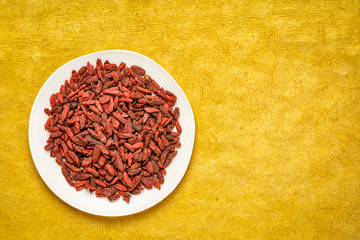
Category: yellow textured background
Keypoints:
(275, 90)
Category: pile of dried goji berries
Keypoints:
(112, 130)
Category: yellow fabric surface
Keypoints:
(274, 86)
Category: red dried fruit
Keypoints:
(92, 171)
(81, 176)
(49, 146)
(114, 197)
(147, 181)
(157, 182)
(137, 70)
(79, 183)
(126, 199)
(100, 183)
(149, 167)
(90, 69)
(112, 91)
(52, 100)
(111, 130)
(151, 110)
(126, 180)
(59, 97)
(178, 127)
(120, 187)
(110, 169)
(64, 112)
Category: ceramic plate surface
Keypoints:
(83, 200)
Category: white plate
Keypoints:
(83, 200)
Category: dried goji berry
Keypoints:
(111, 130)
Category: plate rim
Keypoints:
(64, 198)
